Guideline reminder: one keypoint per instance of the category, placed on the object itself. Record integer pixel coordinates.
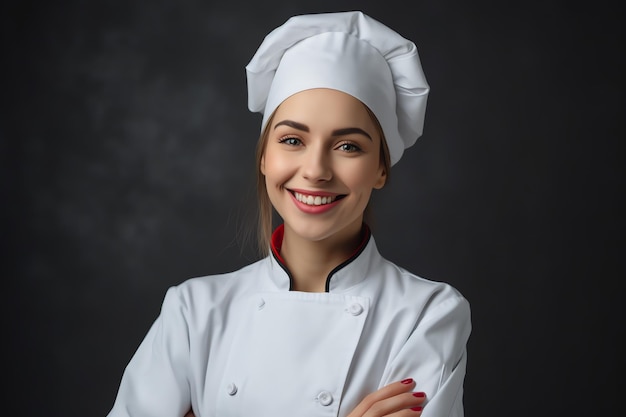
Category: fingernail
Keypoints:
(419, 394)
(407, 381)
(416, 408)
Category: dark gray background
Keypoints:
(126, 167)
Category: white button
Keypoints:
(231, 389)
(325, 398)
(355, 309)
(261, 304)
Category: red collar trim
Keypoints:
(277, 242)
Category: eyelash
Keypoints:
(353, 147)
(286, 140)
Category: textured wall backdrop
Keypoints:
(127, 166)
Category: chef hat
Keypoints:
(349, 52)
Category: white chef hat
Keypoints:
(349, 52)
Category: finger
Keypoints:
(407, 412)
(383, 393)
(406, 403)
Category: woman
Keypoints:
(323, 325)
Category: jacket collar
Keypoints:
(345, 275)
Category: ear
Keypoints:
(262, 164)
(382, 178)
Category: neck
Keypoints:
(310, 262)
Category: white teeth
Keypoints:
(313, 200)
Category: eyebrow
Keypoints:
(336, 132)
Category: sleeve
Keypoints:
(435, 355)
(155, 383)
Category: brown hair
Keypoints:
(265, 224)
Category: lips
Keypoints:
(315, 200)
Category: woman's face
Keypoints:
(321, 162)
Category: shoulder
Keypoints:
(425, 297)
(425, 309)
(199, 294)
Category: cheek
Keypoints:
(275, 168)
(364, 179)
(269, 165)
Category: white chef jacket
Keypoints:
(242, 344)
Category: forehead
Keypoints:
(325, 107)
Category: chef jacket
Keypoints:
(243, 344)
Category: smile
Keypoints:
(314, 200)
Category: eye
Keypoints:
(349, 147)
(290, 140)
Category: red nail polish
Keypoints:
(416, 408)
(407, 381)
(419, 394)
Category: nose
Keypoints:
(316, 165)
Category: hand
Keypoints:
(394, 400)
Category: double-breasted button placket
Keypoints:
(325, 398)
(231, 389)
(355, 309)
